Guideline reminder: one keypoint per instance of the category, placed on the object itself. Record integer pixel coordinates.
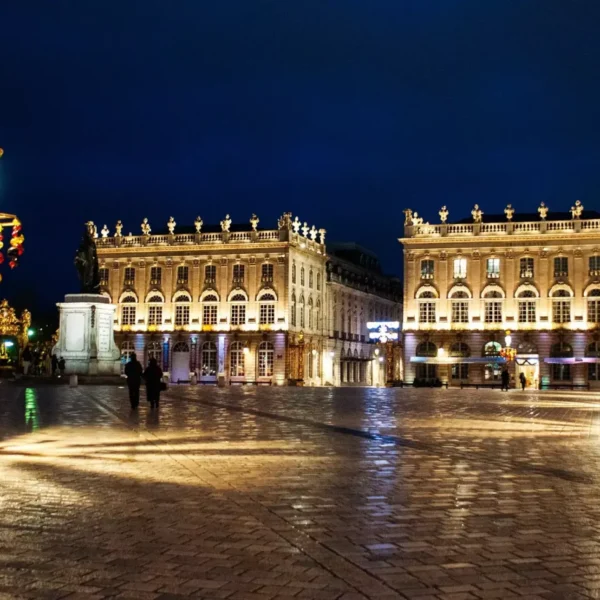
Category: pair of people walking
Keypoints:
(152, 376)
(505, 378)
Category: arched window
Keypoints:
(266, 357)
(310, 313)
(209, 359)
(210, 309)
(350, 332)
(181, 347)
(294, 310)
(319, 281)
(302, 312)
(492, 349)
(238, 309)
(593, 351)
(237, 360)
(182, 310)
(459, 349)
(302, 279)
(561, 371)
(343, 322)
(155, 310)
(527, 306)
(154, 350)
(267, 309)
(561, 306)
(293, 272)
(128, 310)
(427, 302)
(493, 306)
(127, 349)
(460, 307)
(310, 279)
(593, 306)
(428, 349)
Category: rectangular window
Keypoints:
(460, 311)
(238, 273)
(293, 314)
(460, 371)
(267, 273)
(237, 364)
(182, 315)
(155, 315)
(302, 315)
(128, 315)
(210, 274)
(594, 372)
(460, 268)
(183, 275)
(526, 270)
(594, 264)
(238, 314)
(526, 311)
(561, 372)
(593, 314)
(103, 275)
(155, 276)
(129, 277)
(561, 267)
(493, 312)
(427, 269)
(493, 268)
(427, 312)
(319, 282)
(209, 314)
(561, 311)
(267, 314)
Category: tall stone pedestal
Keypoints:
(86, 338)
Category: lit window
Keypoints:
(593, 306)
(267, 273)
(238, 273)
(182, 315)
(129, 276)
(237, 360)
(594, 265)
(209, 359)
(267, 309)
(493, 268)
(561, 309)
(103, 275)
(128, 314)
(527, 307)
(155, 275)
(493, 307)
(238, 310)
(561, 267)
(427, 312)
(460, 268)
(266, 353)
(460, 307)
(155, 315)
(183, 275)
(427, 269)
(210, 274)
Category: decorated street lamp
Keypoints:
(508, 353)
(15, 245)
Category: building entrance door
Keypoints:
(180, 369)
(529, 365)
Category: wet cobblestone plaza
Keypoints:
(276, 493)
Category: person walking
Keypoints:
(523, 380)
(54, 365)
(27, 358)
(133, 372)
(505, 379)
(153, 378)
(62, 365)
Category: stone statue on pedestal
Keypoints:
(86, 261)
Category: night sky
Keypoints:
(344, 112)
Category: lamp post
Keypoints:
(508, 352)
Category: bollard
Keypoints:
(73, 381)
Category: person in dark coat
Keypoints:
(133, 372)
(505, 379)
(54, 364)
(62, 365)
(153, 378)
(523, 380)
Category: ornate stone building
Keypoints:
(229, 303)
(468, 284)
(358, 293)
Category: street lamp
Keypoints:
(508, 353)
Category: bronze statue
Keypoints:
(86, 262)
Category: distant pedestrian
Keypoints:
(153, 378)
(523, 380)
(133, 372)
(27, 359)
(505, 379)
(54, 365)
(62, 365)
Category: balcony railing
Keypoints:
(129, 282)
(493, 275)
(426, 275)
(561, 274)
(526, 274)
(594, 272)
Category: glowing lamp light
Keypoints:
(9, 344)
(30, 332)
(508, 339)
(314, 352)
(376, 351)
(332, 354)
(440, 352)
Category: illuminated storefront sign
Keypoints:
(383, 331)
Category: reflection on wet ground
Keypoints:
(270, 493)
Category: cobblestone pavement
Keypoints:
(280, 493)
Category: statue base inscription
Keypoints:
(86, 337)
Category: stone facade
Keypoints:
(468, 284)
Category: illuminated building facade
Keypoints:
(359, 293)
(227, 304)
(468, 283)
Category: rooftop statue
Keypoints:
(509, 211)
(477, 214)
(443, 214)
(543, 210)
(86, 261)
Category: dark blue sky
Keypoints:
(342, 111)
